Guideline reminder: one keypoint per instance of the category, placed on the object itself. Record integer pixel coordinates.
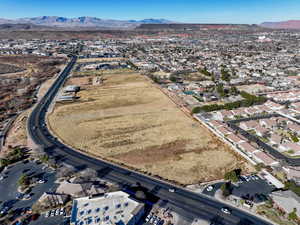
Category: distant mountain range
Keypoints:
(289, 24)
(84, 21)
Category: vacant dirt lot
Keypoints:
(100, 60)
(129, 121)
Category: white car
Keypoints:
(1, 177)
(62, 211)
(41, 181)
(27, 197)
(210, 188)
(148, 218)
(226, 210)
(56, 212)
(172, 190)
(47, 214)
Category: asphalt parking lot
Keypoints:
(9, 186)
(253, 189)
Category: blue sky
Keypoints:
(198, 11)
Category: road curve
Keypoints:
(188, 204)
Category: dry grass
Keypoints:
(129, 121)
(100, 60)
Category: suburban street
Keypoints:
(188, 204)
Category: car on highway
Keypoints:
(226, 210)
(171, 190)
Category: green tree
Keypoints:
(225, 75)
(293, 215)
(205, 72)
(4, 162)
(226, 189)
(234, 90)
(232, 176)
(23, 180)
(173, 78)
(44, 158)
(220, 90)
(196, 110)
(291, 185)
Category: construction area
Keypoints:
(121, 116)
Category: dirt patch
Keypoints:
(81, 81)
(17, 136)
(130, 121)
(100, 60)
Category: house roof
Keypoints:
(224, 130)
(264, 157)
(247, 147)
(234, 138)
(287, 200)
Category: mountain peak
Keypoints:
(289, 24)
(83, 21)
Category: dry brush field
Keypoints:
(130, 121)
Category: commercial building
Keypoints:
(115, 208)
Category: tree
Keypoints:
(291, 185)
(44, 158)
(225, 75)
(232, 176)
(196, 110)
(293, 215)
(4, 162)
(220, 90)
(259, 166)
(234, 90)
(173, 78)
(226, 189)
(205, 72)
(23, 180)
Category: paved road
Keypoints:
(187, 203)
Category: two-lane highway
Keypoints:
(190, 204)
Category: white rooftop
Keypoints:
(109, 209)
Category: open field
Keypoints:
(130, 121)
(85, 60)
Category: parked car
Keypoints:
(27, 197)
(47, 214)
(62, 211)
(19, 195)
(41, 181)
(156, 220)
(210, 188)
(148, 217)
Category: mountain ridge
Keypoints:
(288, 24)
(82, 21)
